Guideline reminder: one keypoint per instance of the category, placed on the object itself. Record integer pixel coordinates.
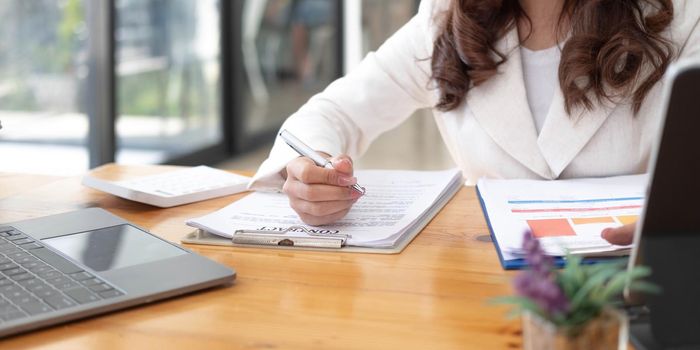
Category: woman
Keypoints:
(519, 89)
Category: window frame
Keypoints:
(103, 87)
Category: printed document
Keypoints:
(397, 202)
(565, 215)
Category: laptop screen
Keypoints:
(668, 240)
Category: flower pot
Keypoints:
(607, 331)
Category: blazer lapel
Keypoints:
(501, 108)
(563, 136)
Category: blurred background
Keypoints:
(85, 82)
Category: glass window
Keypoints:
(381, 18)
(43, 69)
(168, 74)
(425, 150)
(289, 53)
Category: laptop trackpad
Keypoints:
(113, 247)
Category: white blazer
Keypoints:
(493, 133)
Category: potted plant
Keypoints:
(575, 307)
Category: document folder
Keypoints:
(280, 239)
(399, 204)
(519, 263)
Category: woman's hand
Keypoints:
(319, 195)
(622, 235)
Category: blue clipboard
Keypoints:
(518, 264)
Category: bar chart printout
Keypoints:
(575, 224)
(565, 215)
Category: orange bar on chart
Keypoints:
(551, 228)
(597, 220)
(627, 219)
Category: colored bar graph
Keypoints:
(595, 220)
(627, 219)
(551, 228)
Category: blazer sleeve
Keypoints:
(687, 33)
(376, 96)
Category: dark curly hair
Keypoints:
(615, 48)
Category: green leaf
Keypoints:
(614, 287)
(640, 272)
(645, 287)
(617, 284)
(573, 260)
(567, 278)
(577, 271)
(593, 282)
(583, 316)
(568, 285)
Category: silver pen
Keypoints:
(306, 151)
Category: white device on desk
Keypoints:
(175, 187)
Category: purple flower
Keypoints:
(535, 256)
(543, 290)
(539, 282)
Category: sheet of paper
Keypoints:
(563, 214)
(395, 200)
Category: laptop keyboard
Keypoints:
(35, 280)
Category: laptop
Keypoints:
(68, 266)
(668, 237)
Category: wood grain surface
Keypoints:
(434, 295)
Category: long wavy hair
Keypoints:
(614, 48)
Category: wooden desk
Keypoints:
(432, 296)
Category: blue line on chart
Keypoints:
(576, 200)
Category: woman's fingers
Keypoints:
(306, 171)
(318, 221)
(319, 195)
(319, 192)
(342, 164)
(319, 210)
(623, 235)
